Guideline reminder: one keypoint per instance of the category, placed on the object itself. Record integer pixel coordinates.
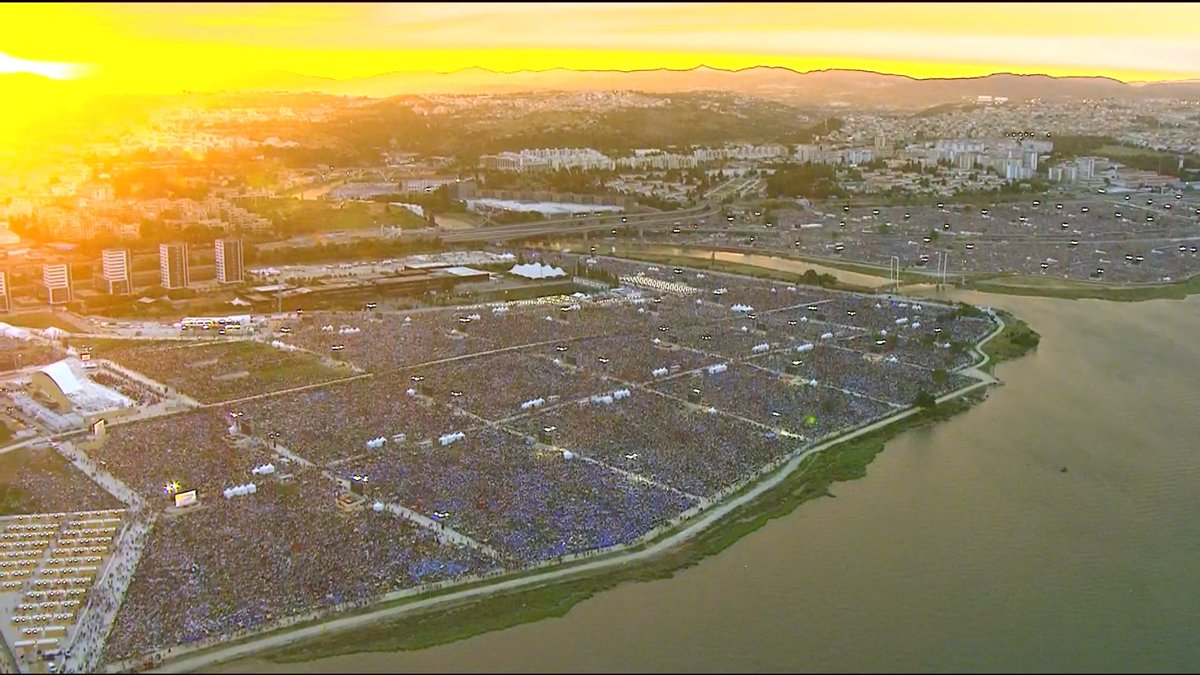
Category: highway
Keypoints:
(569, 226)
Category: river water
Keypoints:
(965, 547)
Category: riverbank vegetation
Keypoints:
(1016, 340)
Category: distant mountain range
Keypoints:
(818, 87)
(814, 87)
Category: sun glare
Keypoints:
(54, 71)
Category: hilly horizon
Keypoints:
(815, 87)
(861, 87)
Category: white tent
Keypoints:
(16, 333)
(537, 271)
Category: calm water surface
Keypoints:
(965, 547)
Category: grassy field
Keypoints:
(1118, 151)
(906, 276)
(294, 216)
(732, 268)
(1081, 290)
(815, 477)
(42, 320)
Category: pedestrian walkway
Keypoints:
(102, 478)
(84, 653)
(445, 534)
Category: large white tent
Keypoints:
(537, 271)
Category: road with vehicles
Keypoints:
(569, 226)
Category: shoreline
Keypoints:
(659, 554)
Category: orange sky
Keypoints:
(170, 47)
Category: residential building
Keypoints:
(173, 265)
(5, 297)
(116, 271)
(57, 280)
(1087, 167)
(228, 259)
(1029, 159)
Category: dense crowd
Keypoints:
(530, 506)
(867, 374)
(377, 341)
(608, 471)
(192, 449)
(212, 372)
(727, 340)
(495, 386)
(767, 398)
(630, 358)
(285, 550)
(41, 481)
(688, 449)
(335, 422)
(132, 389)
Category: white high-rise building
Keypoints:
(1087, 167)
(57, 280)
(117, 271)
(228, 258)
(1030, 159)
(5, 297)
(173, 265)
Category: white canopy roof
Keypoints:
(537, 271)
(61, 373)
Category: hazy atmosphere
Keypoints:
(566, 337)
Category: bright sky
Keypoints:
(169, 47)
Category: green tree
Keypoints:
(925, 400)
